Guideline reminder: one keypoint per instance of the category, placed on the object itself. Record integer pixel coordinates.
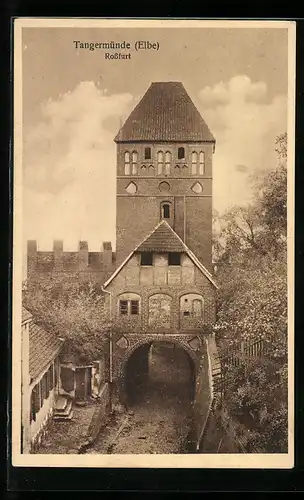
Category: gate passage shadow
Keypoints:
(160, 373)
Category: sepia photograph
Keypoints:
(152, 311)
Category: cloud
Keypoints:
(245, 124)
(70, 158)
(70, 168)
(238, 87)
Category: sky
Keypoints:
(74, 102)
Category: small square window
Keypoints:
(174, 259)
(123, 307)
(147, 259)
(134, 307)
(186, 313)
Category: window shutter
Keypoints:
(123, 306)
(134, 307)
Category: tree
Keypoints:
(271, 192)
(261, 227)
(252, 303)
(77, 315)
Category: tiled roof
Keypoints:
(165, 113)
(163, 239)
(26, 315)
(43, 348)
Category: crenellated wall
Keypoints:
(79, 266)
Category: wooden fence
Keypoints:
(238, 355)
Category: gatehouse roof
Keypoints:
(163, 239)
(165, 113)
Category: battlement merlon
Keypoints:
(59, 260)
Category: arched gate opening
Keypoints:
(160, 373)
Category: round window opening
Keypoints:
(164, 187)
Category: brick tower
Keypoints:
(164, 171)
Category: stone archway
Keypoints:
(134, 367)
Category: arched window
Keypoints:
(147, 154)
(143, 169)
(202, 163)
(181, 153)
(167, 163)
(134, 163)
(160, 311)
(129, 304)
(165, 210)
(160, 162)
(194, 163)
(192, 306)
(151, 170)
(184, 170)
(127, 163)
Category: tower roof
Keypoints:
(165, 113)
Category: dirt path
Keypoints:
(154, 426)
(157, 423)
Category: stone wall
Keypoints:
(207, 398)
(101, 414)
(203, 395)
